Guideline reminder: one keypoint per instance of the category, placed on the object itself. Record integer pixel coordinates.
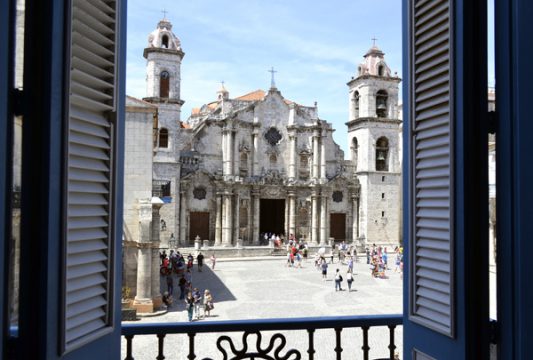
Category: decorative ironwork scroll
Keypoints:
(270, 352)
(337, 196)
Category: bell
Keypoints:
(381, 156)
(382, 106)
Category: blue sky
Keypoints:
(314, 45)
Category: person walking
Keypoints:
(170, 284)
(208, 303)
(197, 296)
(182, 282)
(350, 265)
(200, 261)
(324, 267)
(213, 261)
(189, 303)
(338, 280)
(349, 280)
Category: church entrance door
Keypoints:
(337, 228)
(272, 216)
(199, 226)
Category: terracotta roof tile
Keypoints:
(253, 96)
(184, 125)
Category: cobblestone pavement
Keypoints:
(264, 288)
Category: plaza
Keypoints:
(264, 287)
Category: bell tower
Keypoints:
(374, 143)
(163, 56)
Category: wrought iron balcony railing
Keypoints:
(255, 328)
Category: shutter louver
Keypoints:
(431, 154)
(89, 204)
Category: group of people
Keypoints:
(322, 265)
(296, 253)
(196, 304)
(177, 263)
(269, 237)
(378, 259)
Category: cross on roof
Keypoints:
(374, 41)
(272, 82)
(164, 14)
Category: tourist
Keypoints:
(324, 267)
(305, 251)
(189, 302)
(338, 280)
(197, 301)
(298, 260)
(289, 253)
(349, 280)
(200, 261)
(385, 258)
(367, 255)
(189, 261)
(350, 265)
(208, 303)
(213, 261)
(170, 284)
(182, 282)
(167, 299)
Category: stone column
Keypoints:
(156, 240)
(256, 199)
(236, 218)
(323, 219)
(355, 218)
(314, 217)
(292, 212)
(227, 219)
(143, 298)
(315, 172)
(183, 218)
(323, 159)
(292, 156)
(226, 159)
(255, 154)
(218, 223)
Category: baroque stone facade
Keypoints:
(241, 166)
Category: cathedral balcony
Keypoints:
(310, 338)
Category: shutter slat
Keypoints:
(87, 246)
(89, 180)
(85, 282)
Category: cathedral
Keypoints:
(242, 166)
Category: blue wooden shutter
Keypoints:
(90, 184)
(431, 241)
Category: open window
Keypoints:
(381, 103)
(163, 138)
(382, 154)
(164, 41)
(164, 84)
(356, 103)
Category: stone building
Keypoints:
(241, 166)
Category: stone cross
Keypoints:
(374, 41)
(272, 82)
(164, 14)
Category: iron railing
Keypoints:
(255, 327)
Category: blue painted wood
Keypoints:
(514, 49)
(6, 79)
(470, 261)
(328, 322)
(41, 243)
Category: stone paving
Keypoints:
(261, 288)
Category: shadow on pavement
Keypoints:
(205, 279)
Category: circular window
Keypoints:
(273, 136)
(337, 196)
(165, 75)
